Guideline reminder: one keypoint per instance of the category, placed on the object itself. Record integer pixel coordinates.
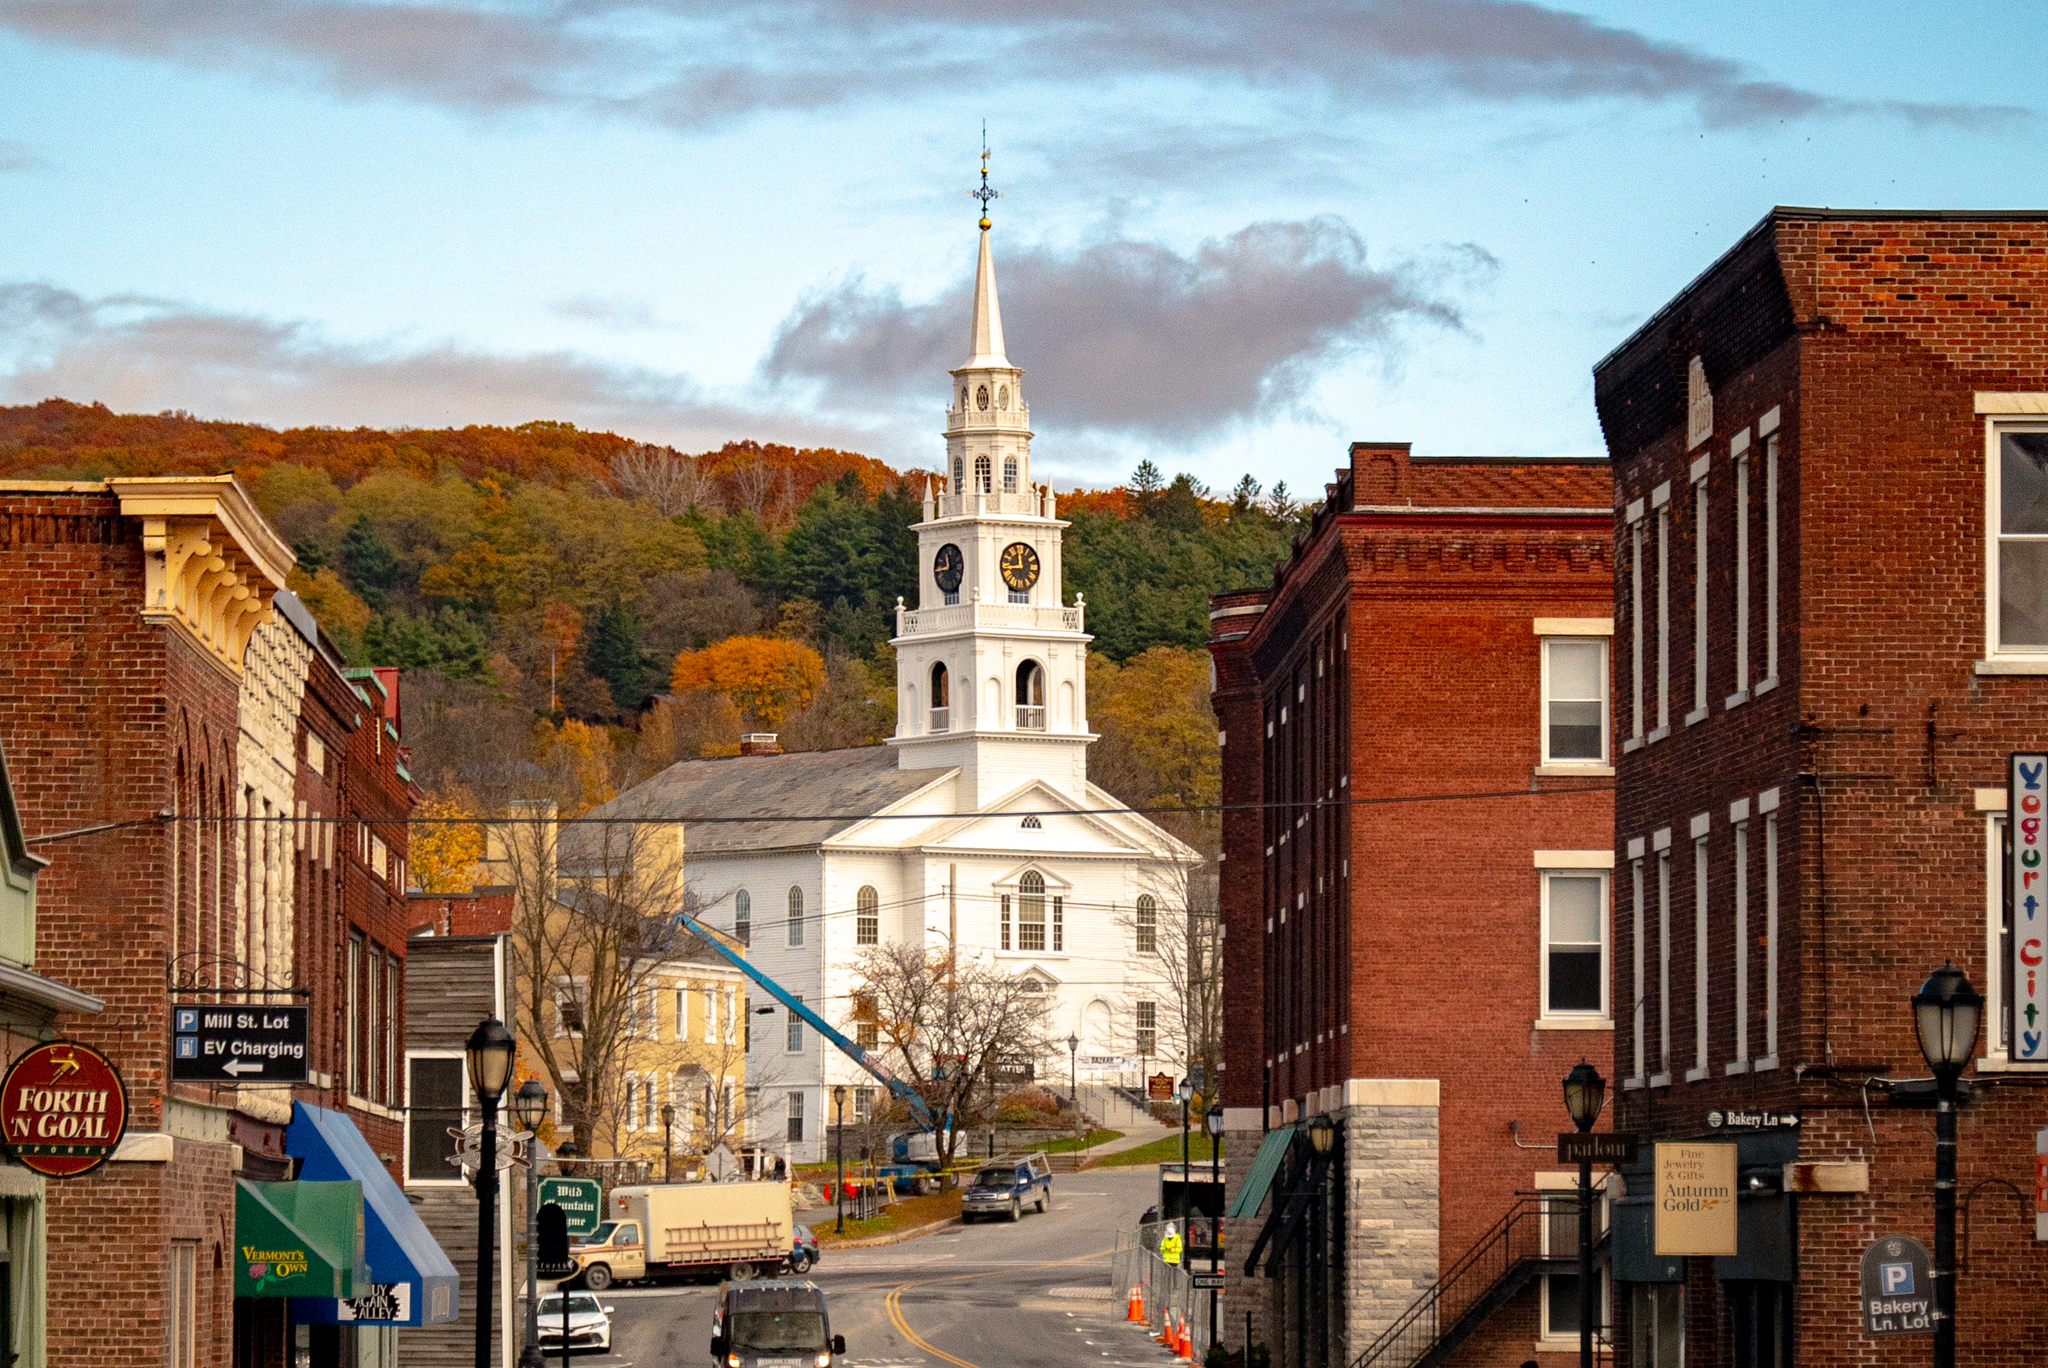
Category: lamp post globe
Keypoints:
(1212, 1121)
(1322, 1132)
(1585, 1092)
(530, 1104)
(489, 1051)
(1947, 1012)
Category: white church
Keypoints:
(975, 822)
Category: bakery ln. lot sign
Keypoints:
(1898, 1288)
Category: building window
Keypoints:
(1561, 1240)
(355, 1013)
(1574, 700)
(2021, 569)
(795, 1131)
(1663, 611)
(183, 1303)
(1770, 678)
(682, 1022)
(1148, 924)
(1739, 450)
(793, 1031)
(796, 915)
(632, 1099)
(1003, 917)
(1738, 816)
(373, 963)
(568, 1007)
(1059, 923)
(960, 462)
(1147, 1015)
(1575, 943)
(863, 1105)
(394, 1027)
(1699, 951)
(380, 859)
(1635, 615)
(1636, 926)
(867, 1035)
(1663, 1074)
(867, 917)
(1009, 474)
(981, 475)
(1656, 1325)
(1699, 592)
(434, 1104)
(743, 917)
(1768, 804)
(942, 698)
(1031, 824)
(1031, 911)
(1030, 692)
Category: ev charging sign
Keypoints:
(2027, 891)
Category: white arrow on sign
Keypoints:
(239, 1067)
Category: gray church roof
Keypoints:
(840, 786)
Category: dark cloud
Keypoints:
(694, 62)
(140, 354)
(19, 156)
(1133, 337)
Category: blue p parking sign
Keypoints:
(1896, 1279)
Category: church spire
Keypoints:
(985, 336)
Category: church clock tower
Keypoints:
(991, 666)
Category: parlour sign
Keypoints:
(2026, 891)
(62, 1109)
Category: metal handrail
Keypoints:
(1462, 1284)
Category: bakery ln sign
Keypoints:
(1897, 1288)
(2026, 892)
(62, 1109)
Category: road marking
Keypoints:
(893, 1303)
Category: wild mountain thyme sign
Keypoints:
(62, 1109)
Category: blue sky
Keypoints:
(1233, 236)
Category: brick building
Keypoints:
(206, 767)
(1829, 452)
(1422, 972)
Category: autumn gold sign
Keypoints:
(1695, 1198)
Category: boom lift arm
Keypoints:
(898, 1089)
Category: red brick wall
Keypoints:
(1877, 737)
(95, 706)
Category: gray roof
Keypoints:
(838, 788)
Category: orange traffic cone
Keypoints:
(1184, 1349)
(1136, 1310)
(1165, 1335)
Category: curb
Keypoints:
(895, 1237)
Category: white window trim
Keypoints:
(1635, 608)
(1699, 592)
(1635, 864)
(2006, 413)
(1660, 499)
(454, 1178)
(1662, 1078)
(1700, 829)
(1767, 806)
(1549, 1181)
(573, 983)
(1738, 818)
(1549, 764)
(1738, 452)
(1767, 428)
(1546, 1019)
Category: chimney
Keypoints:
(760, 743)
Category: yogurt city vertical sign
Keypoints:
(2027, 889)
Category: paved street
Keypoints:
(1031, 1295)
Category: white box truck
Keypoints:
(739, 1230)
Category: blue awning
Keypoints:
(411, 1280)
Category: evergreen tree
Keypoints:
(445, 641)
(367, 562)
(613, 652)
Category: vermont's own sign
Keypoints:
(62, 1109)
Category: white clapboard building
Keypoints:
(976, 821)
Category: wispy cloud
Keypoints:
(19, 156)
(142, 354)
(689, 63)
(1131, 336)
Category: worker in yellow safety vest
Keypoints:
(1169, 1244)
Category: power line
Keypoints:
(721, 819)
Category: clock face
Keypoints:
(947, 568)
(1019, 566)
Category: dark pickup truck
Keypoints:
(1004, 1187)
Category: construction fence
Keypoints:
(1166, 1293)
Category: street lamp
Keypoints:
(668, 1143)
(839, 1157)
(1322, 1134)
(1584, 1092)
(529, 1109)
(1212, 1122)
(1946, 1014)
(1074, 1070)
(490, 1051)
(1185, 1091)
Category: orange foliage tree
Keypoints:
(764, 677)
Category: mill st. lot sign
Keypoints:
(238, 1043)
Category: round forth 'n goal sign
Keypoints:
(62, 1109)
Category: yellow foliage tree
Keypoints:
(578, 760)
(764, 677)
(332, 604)
(445, 850)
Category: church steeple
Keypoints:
(985, 336)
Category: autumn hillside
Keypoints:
(574, 609)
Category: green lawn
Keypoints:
(1165, 1151)
(1100, 1137)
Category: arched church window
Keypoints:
(1031, 911)
(1148, 924)
(1003, 397)
(963, 398)
(1030, 696)
(942, 710)
(981, 474)
(796, 915)
(1009, 475)
(981, 397)
(743, 917)
(1031, 824)
(959, 474)
(867, 916)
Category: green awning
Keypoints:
(1265, 1164)
(298, 1239)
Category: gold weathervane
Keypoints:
(986, 192)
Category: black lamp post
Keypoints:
(1946, 1014)
(1584, 1093)
(839, 1157)
(529, 1109)
(490, 1051)
(1185, 1091)
(668, 1143)
(1074, 1071)
(1212, 1122)
(1322, 1134)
